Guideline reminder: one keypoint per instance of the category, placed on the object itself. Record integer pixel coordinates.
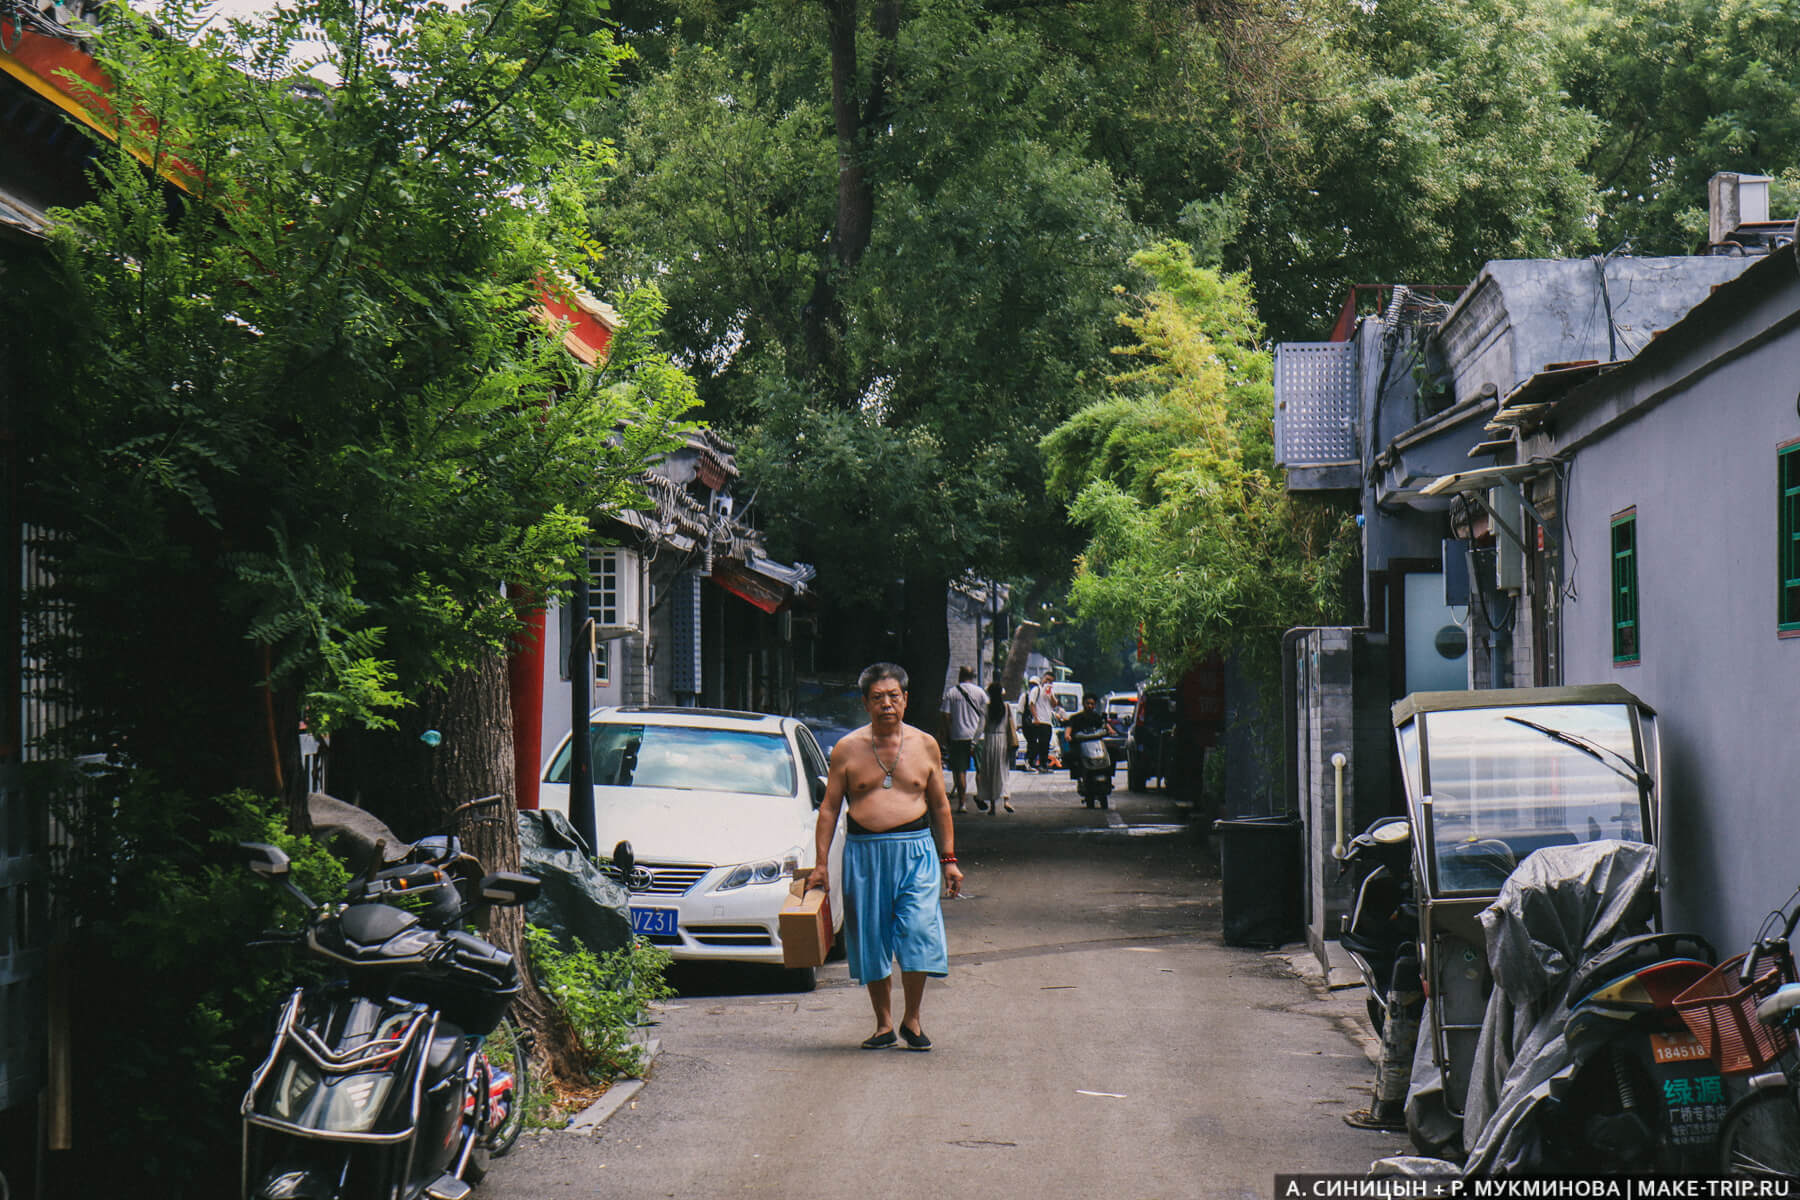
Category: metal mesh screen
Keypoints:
(684, 606)
(1315, 403)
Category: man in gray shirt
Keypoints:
(963, 709)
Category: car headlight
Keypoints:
(769, 870)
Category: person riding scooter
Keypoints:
(1089, 718)
(1090, 762)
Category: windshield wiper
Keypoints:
(1605, 755)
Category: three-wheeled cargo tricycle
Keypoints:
(1491, 776)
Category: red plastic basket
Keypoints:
(1722, 1014)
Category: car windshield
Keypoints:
(1507, 781)
(685, 759)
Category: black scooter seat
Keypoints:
(374, 924)
(1630, 955)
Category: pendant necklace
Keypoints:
(888, 780)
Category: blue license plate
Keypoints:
(654, 921)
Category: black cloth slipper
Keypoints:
(881, 1041)
(915, 1041)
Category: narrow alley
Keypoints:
(1094, 1038)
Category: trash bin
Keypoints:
(1261, 881)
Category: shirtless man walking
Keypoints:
(891, 775)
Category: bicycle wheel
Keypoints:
(1760, 1137)
(508, 1049)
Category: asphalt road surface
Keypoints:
(1094, 1038)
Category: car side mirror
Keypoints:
(264, 860)
(818, 790)
(508, 888)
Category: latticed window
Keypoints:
(1626, 644)
(603, 606)
(603, 588)
(1788, 481)
(1788, 531)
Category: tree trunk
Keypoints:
(926, 649)
(856, 119)
(416, 788)
(1012, 677)
(474, 716)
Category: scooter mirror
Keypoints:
(506, 888)
(264, 860)
(624, 860)
(1392, 833)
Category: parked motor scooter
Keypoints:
(1648, 1095)
(1094, 765)
(1380, 933)
(1586, 1066)
(376, 1084)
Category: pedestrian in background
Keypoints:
(1040, 712)
(993, 765)
(963, 711)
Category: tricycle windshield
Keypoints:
(1506, 781)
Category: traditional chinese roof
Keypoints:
(717, 463)
(734, 552)
(591, 323)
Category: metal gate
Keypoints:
(24, 924)
(25, 834)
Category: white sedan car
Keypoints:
(719, 808)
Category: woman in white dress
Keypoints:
(993, 763)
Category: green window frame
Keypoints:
(1627, 643)
(1787, 482)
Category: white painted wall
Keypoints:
(1701, 470)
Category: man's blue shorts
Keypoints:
(891, 883)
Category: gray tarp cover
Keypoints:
(351, 832)
(1427, 1118)
(1562, 905)
(577, 900)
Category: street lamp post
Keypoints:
(581, 679)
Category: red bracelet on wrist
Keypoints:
(946, 858)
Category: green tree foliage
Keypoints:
(1194, 543)
(170, 1009)
(1437, 138)
(887, 365)
(294, 419)
(307, 420)
(604, 997)
(890, 231)
(1683, 89)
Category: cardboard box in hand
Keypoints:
(805, 926)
